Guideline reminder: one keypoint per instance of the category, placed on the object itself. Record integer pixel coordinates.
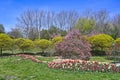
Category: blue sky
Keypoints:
(10, 9)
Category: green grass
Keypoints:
(100, 59)
(28, 70)
(45, 58)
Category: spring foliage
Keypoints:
(24, 44)
(100, 41)
(85, 25)
(5, 41)
(74, 46)
(57, 39)
(42, 44)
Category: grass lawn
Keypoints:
(11, 69)
(48, 59)
(100, 59)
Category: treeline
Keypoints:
(33, 24)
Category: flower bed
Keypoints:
(33, 58)
(84, 66)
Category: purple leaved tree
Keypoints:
(74, 46)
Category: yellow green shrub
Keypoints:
(5, 41)
(24, 44)
(42, 44)
(117, 41)
(57, 39)
(100, 41)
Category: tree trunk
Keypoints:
(12, 51)
(23, 51)
(1, 51)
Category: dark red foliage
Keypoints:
(74, 46)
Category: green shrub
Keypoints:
(117, 44)
(117, 41)
(5, 41)
(24, 44)
(42, 44)
(57, 39)
(100, 41)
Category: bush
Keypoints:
(79, 65)
(24, 44)
(117, 44)
(74, 46)
(100, 41)
(42, 44)
(57, 39)
(5, 42)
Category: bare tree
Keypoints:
(49, 20)
(87, 14)
(31, 19)
(39, 19)
(72, 18)
(25, 22)
(15, 33)
(61, 19)
(31, 22)
(116, 26)
(102, 18)
(33, 33)
(66, 19)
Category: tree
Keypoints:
(31, 20)
(45, 34)
(66, 20)
(102, 18)
(100, 41)
(2, 30)
(33, 34)
(39, 20)
(15, 33)
(87, 14)
(25, 22)
(51, 32)
(116, 26)
(50, 19)
(58, 31)
(85, 25)
(61, 19)
(72, 18)
(5, 41)
(43, 44)
(57, 39)
(24, 44)
(74, 46)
